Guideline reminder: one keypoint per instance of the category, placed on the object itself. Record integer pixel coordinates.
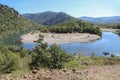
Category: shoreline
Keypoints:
(110, 30)
(54, 38)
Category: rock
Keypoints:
(73, 70)
(25, 76)
(34, 71)
(38, 77)
(64, 70)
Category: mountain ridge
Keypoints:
(102, 20)
(49, 17)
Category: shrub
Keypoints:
(9, 62)
(40, 56)
(58, 57)
(24, 53)
(44, 56)
(106, 53)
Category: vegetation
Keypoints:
(15, 58)
(12, 25)
(75, 26)
(9, 61)
(113, 26)
(51, 57)
(106, 53)
(49, 18)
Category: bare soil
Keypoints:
(108, 72)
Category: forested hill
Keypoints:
(102, 20)
(49, 18)
(11, 20)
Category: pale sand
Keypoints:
(52, 38)
(110, 30)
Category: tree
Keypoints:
(112, 55)
(58, 57)
(40, 56)
(44, 56)
(106, 53)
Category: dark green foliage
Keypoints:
(106, 53)
(112, 55)
(58, 57)
(75, 26)
(44, 56)
(9, 62)
(40, 56)
(24, 53)
(113, 26)
(15, 48)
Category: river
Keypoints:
(109, 42)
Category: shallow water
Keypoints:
(109, 42)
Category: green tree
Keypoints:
(106, 53)
(58, 57)
(40, 56)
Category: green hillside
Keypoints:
(12, 23)
(49, 18)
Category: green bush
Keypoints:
(9, 62)
(51, 57)
(58, 57)
(40, 56)
(24, 53)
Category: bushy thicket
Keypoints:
(9, 62)
(75, 26)
(11, 58)
(113, 26)
(51, 57)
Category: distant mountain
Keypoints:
(11, 20)
(49, 18)
(102, 20)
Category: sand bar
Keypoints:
(52, 38)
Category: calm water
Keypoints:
(109, 42)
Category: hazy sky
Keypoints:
(76, 8)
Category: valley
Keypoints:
(54, 45)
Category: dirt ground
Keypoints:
(108, 72)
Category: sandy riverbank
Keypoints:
(110, 30)
(60, 38)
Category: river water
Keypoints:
(109, 42)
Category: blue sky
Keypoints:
(76, 8)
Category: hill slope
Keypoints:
(102, 20)
(49, 18)
(11, 22)
(10, 19)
